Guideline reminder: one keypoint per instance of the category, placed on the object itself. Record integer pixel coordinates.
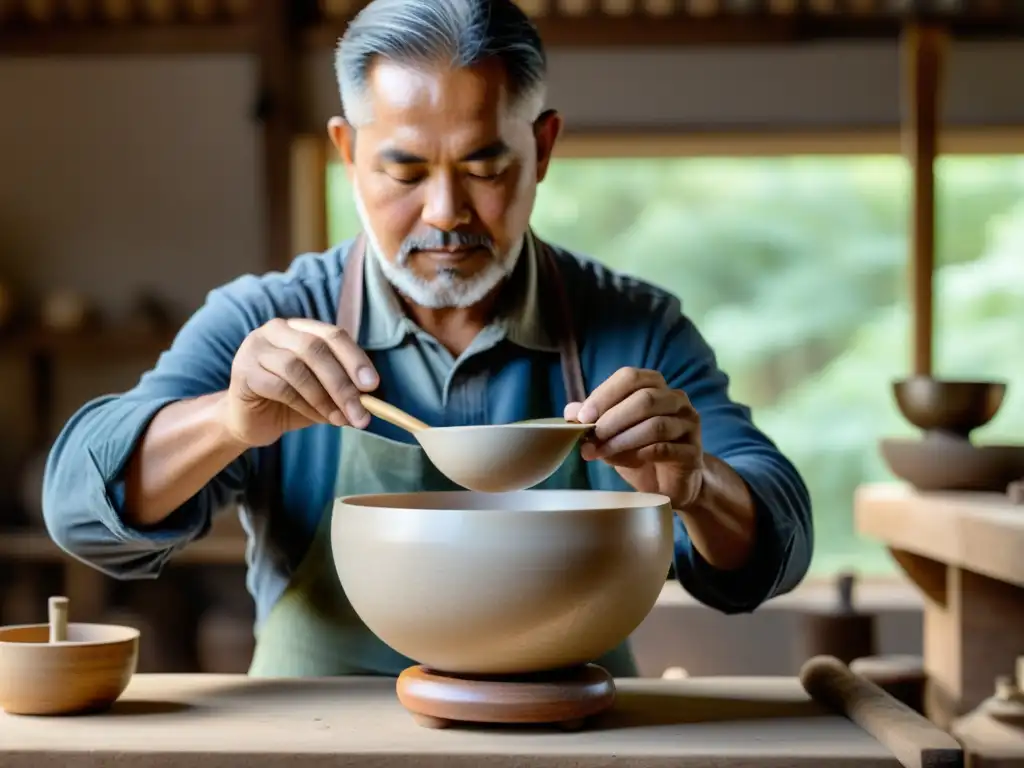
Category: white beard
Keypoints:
(445, 290)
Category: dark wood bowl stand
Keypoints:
(565, 698)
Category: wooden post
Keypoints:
(924, 49)
(310, 158)
(276, 110)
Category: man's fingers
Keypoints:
(684, 455)
(617, 388)
(572, 411)
(652, 431)
(321, 357)
(267, 385)
(355, 361)
(299, 384)
(636, 408)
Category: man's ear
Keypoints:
(545, 131)
(343, 137)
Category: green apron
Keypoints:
(312, 630)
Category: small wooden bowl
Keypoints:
(951, 407)
(85, 673)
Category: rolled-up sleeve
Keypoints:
(83, 486)
(783, 543)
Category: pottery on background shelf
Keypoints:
(945, 458)
(947, 464)
(504, 599)
(65, 669)
(951, 408)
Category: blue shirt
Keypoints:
(508, 374)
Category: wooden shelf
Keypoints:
(979, 532)
(600, 30)
(721, 26)
(127, 39)
(37, 547)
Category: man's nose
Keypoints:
(445, 206)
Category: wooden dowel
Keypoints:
(912, 738)
(58, 615)
(924, 50)
(391, 414)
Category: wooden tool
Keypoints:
(58, 615)
(392, 415)
(901, 676)
(566, 698)
(911, 738)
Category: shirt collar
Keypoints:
(519, 318)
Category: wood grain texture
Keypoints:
(567, 698)
(981, 532)
(911, 738)
(171, 721)
(963, 552)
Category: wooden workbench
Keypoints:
(172, 721)
(965, 552)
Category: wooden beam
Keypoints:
(157, 39)
(730, 142)
(639, 29)
(924, 49)
(276, 109)
(310, 158)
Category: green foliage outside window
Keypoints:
(795, 270)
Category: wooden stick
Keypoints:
(912, 738)
(391, 414)
(58, 610)
(923, 57)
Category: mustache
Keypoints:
(437, 239)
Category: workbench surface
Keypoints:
(215, 721)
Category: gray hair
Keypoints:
(459, 33)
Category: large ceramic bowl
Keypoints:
(528, 581)
(954, 407)
(87, 673)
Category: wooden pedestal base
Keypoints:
(566, 698)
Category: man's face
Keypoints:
(445, 176)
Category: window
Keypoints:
(794, 269)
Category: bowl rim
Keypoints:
(568, 426)
(937, 381)
(617, 500)
(131, 634)
(966, 445)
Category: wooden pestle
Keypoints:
(391, 414)
(912, 738)
(58, 610)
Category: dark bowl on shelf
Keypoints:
(952, 407)
(939, 463)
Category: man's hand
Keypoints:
(289, 374)
(647, 431)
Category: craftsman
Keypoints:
(449, 307)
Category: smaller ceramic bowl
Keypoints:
(954, 407)
(502, 457)
(939, 463)
(86, 673)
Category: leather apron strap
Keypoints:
(350, 294)
(350, 309)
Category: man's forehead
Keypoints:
(402, 92)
